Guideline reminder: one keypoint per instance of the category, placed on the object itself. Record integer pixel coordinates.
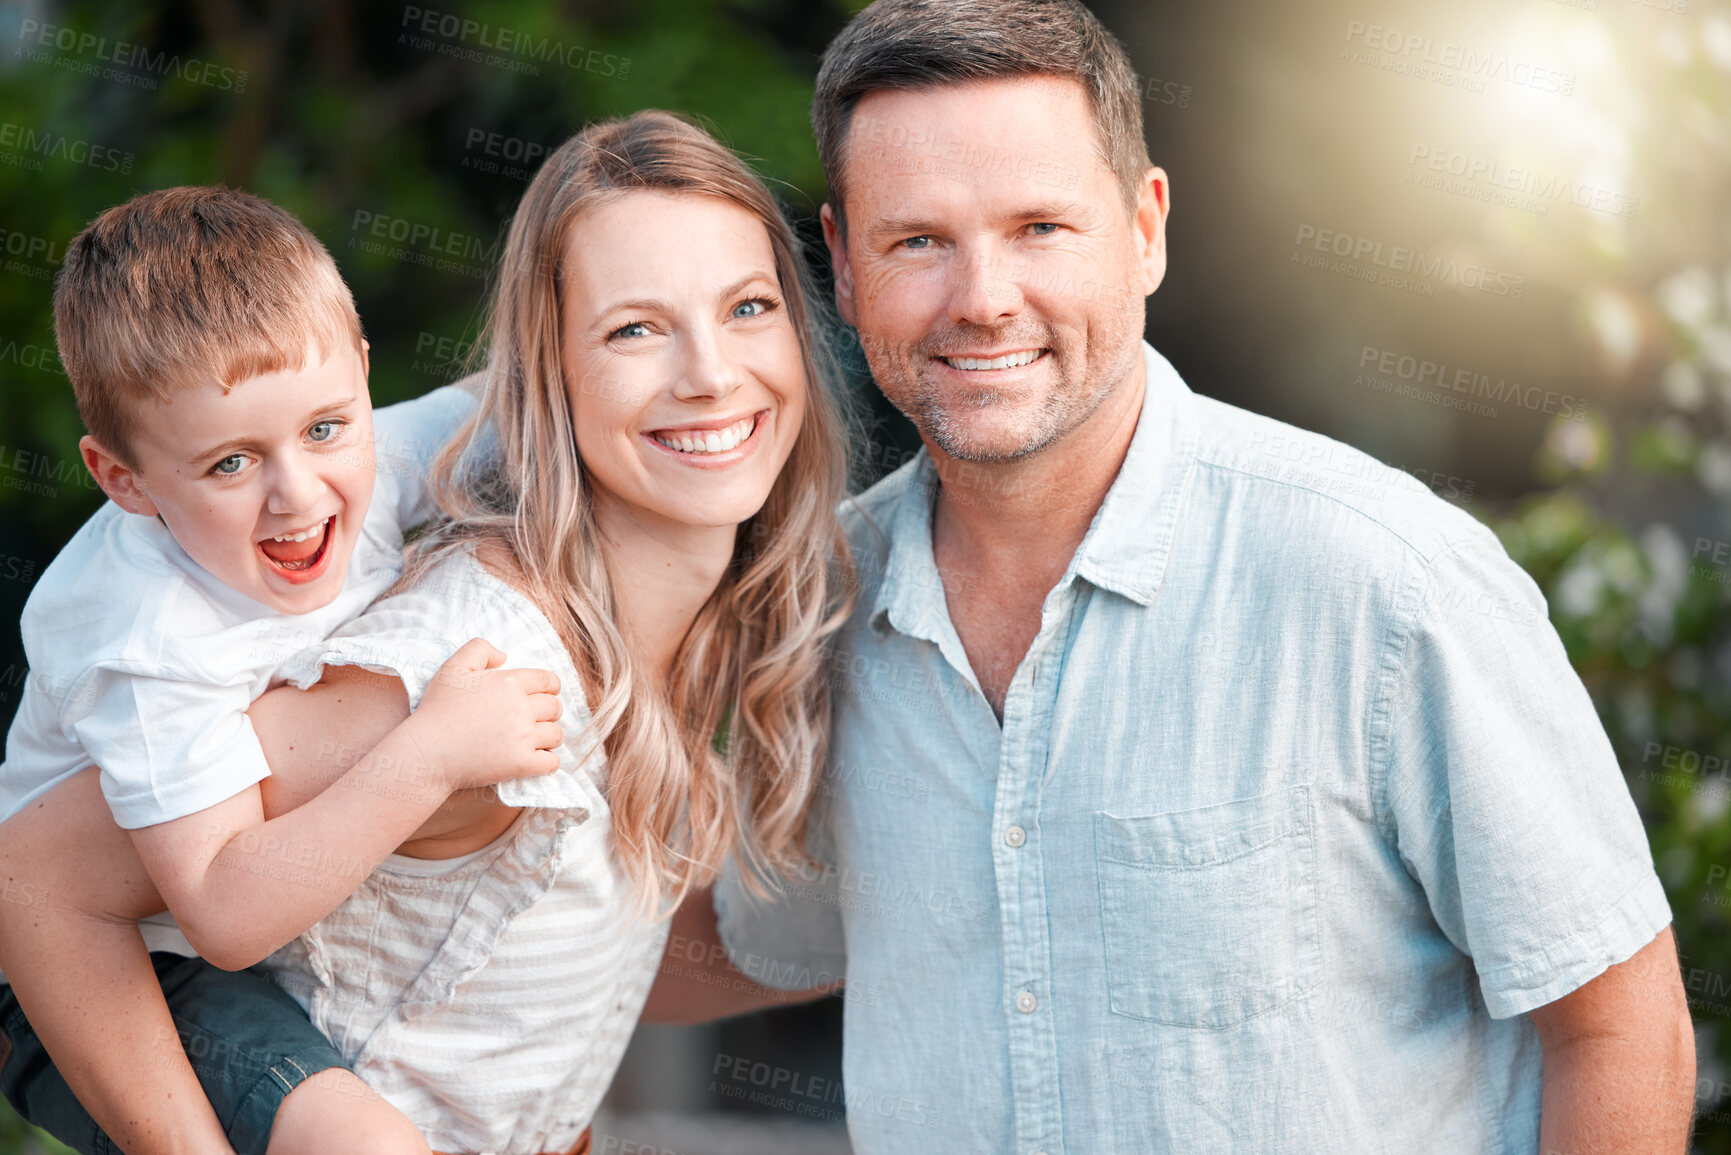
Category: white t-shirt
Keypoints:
(144, 664)
(488, 997)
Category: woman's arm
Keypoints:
(69, 943)
(697, 982)
(80, 971)
(242, 883)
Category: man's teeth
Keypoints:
(1008, 361)
(304, 534)
(709, 440)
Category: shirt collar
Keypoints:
(1128, 544)
(1126, 547)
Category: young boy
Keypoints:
(219, 368)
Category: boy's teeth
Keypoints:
(302, 535)
(1008, 361)
(709, 440)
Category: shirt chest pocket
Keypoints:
(1209, 916)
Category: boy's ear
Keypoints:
(366, 366)
(117, 479)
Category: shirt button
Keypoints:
(1015, 836)
(1025, 1002)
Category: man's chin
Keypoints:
(972, 440)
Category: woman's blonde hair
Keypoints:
(751, 667)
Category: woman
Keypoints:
(658, 530)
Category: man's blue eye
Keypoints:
(229, 466)
(918, 242)
(1044, 229)
(330, 430)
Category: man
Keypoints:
(1197, 784)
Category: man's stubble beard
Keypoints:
(1080, 391)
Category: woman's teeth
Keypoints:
(1008, 361)
(709, 440)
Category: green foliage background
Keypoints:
(341, 113)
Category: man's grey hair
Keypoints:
(926, 43)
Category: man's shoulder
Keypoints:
(1306, 487)
(869, 517)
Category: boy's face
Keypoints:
(284, 455)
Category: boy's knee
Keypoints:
(335, 1113)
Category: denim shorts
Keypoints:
(249, 1042)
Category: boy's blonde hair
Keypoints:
(188, 284)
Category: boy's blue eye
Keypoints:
(229, 466)
(329, 429)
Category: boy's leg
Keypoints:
(70, 947)
(278, 1085)
(124, 1023)
(335, 1112)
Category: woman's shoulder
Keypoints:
(463, 590)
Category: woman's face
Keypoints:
(684, 373)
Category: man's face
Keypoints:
(991, 266)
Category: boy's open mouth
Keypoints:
(299, 555)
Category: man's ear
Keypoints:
(117, 479)
(837, 245)
(1153, 204)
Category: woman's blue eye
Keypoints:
(634, 329)
(229, 466)
(756, 307)
(330, 430)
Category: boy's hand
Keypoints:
(479, 724)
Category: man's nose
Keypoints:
(984, 288)
(295, 485)
(710, 365)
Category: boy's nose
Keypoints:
(294, 487)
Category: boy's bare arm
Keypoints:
(70, 946)
(242, 883)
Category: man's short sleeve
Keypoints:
(167, 748)
(1507, 800)
(792, 938)
(407, 438)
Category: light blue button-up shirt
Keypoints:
(1295, 808)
